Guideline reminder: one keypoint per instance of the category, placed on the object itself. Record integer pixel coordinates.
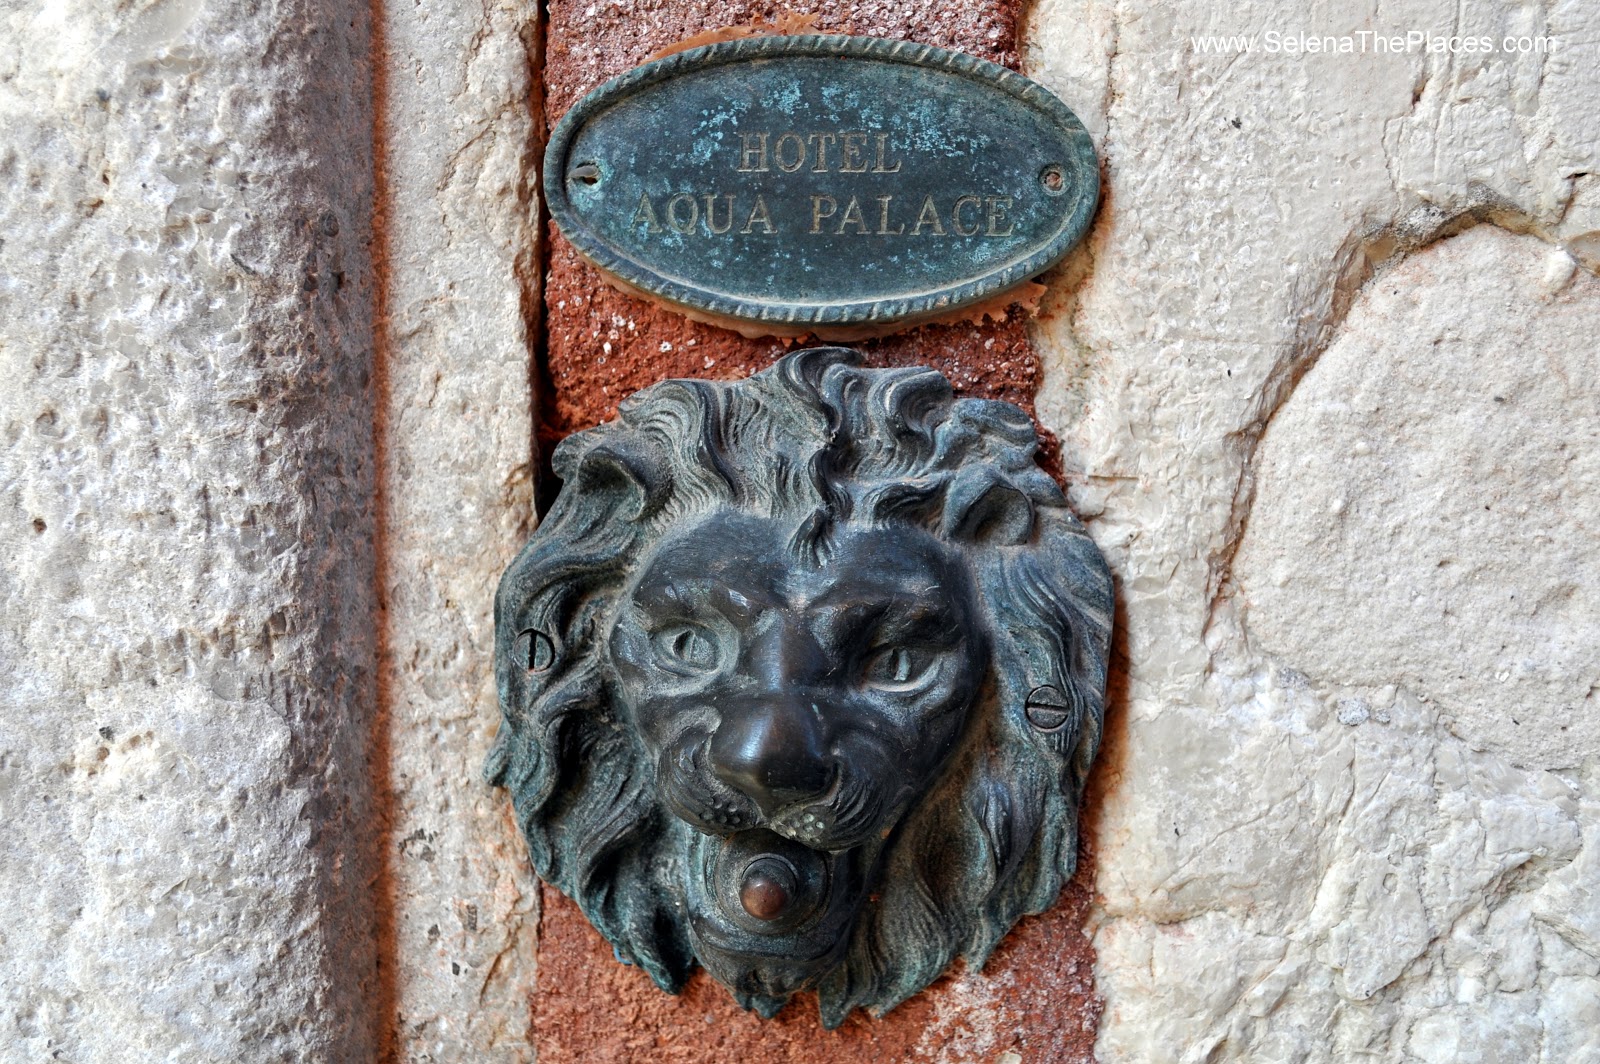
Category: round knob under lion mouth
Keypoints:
(768, 888)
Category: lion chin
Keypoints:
(769, 917)
(801, 678)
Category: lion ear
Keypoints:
(633, 476)
(986, 511)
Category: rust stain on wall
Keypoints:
(1036, 996)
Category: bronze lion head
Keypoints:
(801, 677)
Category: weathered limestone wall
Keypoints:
(264, 463)
(1345, 465)
(459, 239)
(187, 475)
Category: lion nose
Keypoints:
(775, 755)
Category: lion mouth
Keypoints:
(849, 813)
(769, 914)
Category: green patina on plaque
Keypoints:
(832, 186)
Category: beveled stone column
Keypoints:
(459, 236)
(187, 537)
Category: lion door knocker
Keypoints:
(802, 676)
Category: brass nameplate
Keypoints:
(832, 186)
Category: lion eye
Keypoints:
(898, 667)
(686, 647)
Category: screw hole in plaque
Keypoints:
(1053, 179)
(586, 173)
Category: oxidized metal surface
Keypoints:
(836, 186)
(801, 678)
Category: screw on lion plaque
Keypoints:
(838, 187)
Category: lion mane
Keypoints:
(826, 441)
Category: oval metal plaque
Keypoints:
(833, 186)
